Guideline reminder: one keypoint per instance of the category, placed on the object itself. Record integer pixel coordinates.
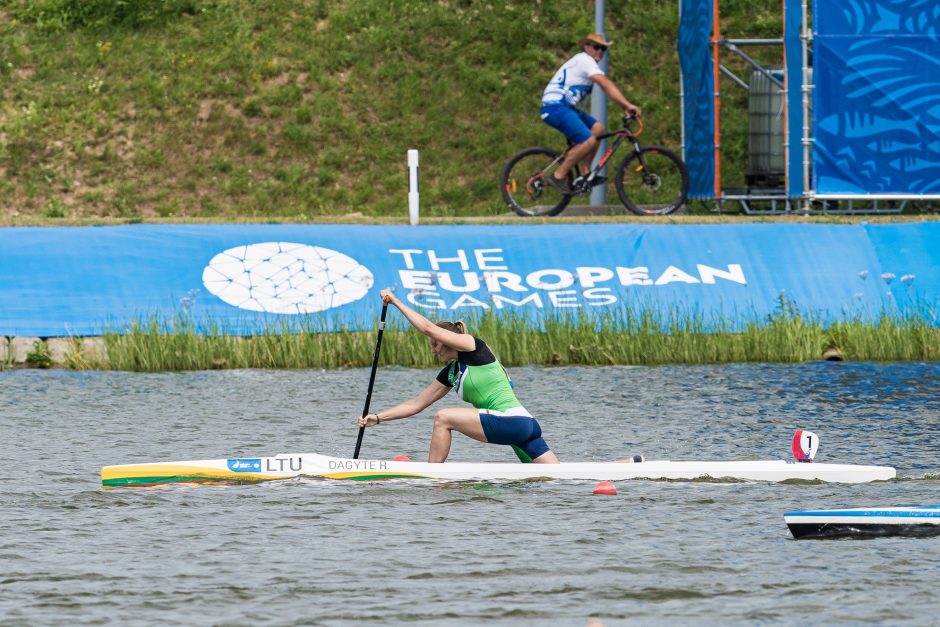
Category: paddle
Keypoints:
(375, 364)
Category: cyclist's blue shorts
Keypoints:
(523, 431)
(573, 123)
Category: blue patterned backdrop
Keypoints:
(876, 103)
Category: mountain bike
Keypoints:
(651, 180)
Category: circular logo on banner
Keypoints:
(286, 278)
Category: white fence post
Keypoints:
(413, 187)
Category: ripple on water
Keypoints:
(321, 552)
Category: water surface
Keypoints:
(309, 552)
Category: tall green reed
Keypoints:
(669, 336)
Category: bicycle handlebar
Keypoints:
(630, 117)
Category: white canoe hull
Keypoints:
(865, 522)
(244, 469)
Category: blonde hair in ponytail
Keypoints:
(457, 326)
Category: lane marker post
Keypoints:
(413, 187)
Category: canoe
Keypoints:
(865, 522)
(288, 466)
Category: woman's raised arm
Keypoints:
(457, 341)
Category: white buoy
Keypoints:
(413, 187)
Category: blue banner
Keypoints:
(909, 258)
(242, 279)
(876, 105)
(698, 95)
(793, 60)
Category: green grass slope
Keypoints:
(294, 109)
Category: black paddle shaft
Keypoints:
(375, 365)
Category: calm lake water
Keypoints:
(309, 552)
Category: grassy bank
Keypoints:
(301, 109)
(642, 340)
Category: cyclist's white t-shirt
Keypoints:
(572, 82)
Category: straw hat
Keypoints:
(594, 38)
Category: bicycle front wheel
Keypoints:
(524, 187)
(652, 182)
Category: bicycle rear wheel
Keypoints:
(655, 185)
(524, 187)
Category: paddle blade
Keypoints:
(522, 455)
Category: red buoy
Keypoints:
(401, 458)
(605, 487)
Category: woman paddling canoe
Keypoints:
(497, 415)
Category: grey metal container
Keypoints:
(765, 162)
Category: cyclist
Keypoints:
(571, 83)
